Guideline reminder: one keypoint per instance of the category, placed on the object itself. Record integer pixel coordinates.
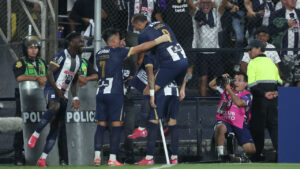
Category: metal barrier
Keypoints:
(81, 126)
(33, 106)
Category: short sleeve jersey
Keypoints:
(167, 52)
(110, 63)
(68, 67)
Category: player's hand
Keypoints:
(181, 95)
(163, 38)
(152, 102)
(146, 90)
(269, 95)
(41, 80)
(234, 9)
(60, 94)
(82, 80)
(291, 22)
(76, 105)
(122, 43)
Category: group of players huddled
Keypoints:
(165, 65)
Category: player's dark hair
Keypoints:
(139, 17)
(108, 33)
(243, 74)
(72, 36)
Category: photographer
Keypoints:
(233, 111)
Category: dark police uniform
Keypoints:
(28, 67)
(171, 57)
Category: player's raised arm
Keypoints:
(148, 45)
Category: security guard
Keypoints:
(28, 68)
(31, 67)
(263, 80)
(86, 73)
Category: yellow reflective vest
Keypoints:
(262, 70)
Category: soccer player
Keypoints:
(171, 57)
(167, 107)
(61, 75)
(110, 94)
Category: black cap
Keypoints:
(255, 43)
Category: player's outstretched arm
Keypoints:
(148, 45)
(151, 84)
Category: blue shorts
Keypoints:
(50, 95)
(137, 84)
(167, 107)
(168, 73)
(243, 135)
(109, 107)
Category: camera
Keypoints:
(224, 80)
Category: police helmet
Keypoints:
(31, 41)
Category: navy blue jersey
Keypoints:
(68, 67)
(110, 62)
(168, 52)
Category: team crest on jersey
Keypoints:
(19, 64)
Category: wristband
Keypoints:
(151, 91)
(75, 98)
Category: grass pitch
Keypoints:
(179, 166)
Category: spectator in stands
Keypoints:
(284, 29)
(235, 10)
(28, 68)
(258, 14)
(263, 80)
(206, 29)
(279, 5)
(146, 7)
(233, 112)
(262, 33)
(176, 13)
(83, 12)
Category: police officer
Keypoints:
(263, 80)
(86, 73)
(30, 67)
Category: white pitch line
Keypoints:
(163, 166)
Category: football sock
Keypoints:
(149, 157)
(115, 139)
(141, 128)
(151, 139)
(43, 156)
(174, 139)
(174, 157)
(98, 139)
(112, 157)
(220, 150)
(36, 134)
(97, 154)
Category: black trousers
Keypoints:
(264, 115)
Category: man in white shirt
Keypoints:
(262, 34)
(284, 29)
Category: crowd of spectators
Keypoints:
(204, 24)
